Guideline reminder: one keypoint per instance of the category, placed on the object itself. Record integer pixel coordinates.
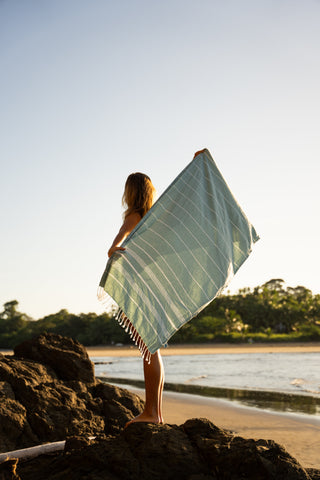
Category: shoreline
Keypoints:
(300, 436)
(280, 402)
(206, 349)
(199, 349)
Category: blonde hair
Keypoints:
(138, 194)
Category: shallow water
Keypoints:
(274, 381)
(265, 400)
(297, 373)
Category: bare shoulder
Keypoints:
(132, 220)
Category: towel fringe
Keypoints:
(124, 322)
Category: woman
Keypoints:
(139, 197)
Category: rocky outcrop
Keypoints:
(48, 393)
(196, 450)
(68, 359)
(57, 398)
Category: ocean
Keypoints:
(287, 382)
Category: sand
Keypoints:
(198, 349)
(132, 351)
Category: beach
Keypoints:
(299, 434)
(205, 349)
(199, 349)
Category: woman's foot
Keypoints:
(145, 417)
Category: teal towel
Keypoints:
(180, 256)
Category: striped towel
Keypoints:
(180, 256)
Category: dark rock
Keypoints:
(20, 373)
(121, 395)
(6, 391)
(76, 443)
(8, 470)
(67, 357)
(253, 460)
(197, 450)
(15, 431)
(313, 473)
(119, 404)
(163, 451)
(37, 405)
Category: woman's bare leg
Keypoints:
(160, 386)
(154, 380)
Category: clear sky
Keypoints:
(92, 91)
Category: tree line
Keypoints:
(269, 312)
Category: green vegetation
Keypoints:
(268, 313)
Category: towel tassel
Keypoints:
(125, 323)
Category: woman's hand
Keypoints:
(114, 249)
(200, 151)
(128, 225)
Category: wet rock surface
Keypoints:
(41, 402)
